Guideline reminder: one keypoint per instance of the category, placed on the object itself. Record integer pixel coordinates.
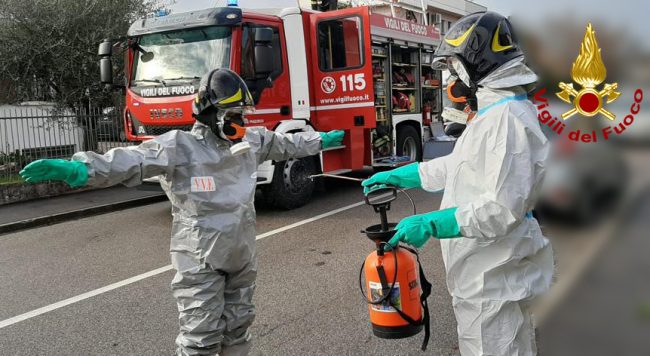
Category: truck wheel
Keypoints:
(291, 187)
(409, 143)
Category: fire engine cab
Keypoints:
(351, 70)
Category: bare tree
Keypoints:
(49, 47)
(49, 52)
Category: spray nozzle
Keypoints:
(380, 199)
(381, 195)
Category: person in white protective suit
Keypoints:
(496, 258)
(210, 182)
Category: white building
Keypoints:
(31, 129)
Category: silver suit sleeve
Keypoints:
(270, 145)
(130, 165)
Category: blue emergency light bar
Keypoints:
(221, 16)
(162, 12)
(232, 3)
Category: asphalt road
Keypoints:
(608, 310)
(307, 297)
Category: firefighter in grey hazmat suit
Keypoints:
(210, 182)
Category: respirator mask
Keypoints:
(462, 96)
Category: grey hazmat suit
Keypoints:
(213, 230)
(493, 176)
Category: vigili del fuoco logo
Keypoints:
(589, 72)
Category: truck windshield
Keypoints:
(181, 55)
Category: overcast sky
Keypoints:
(628, 15)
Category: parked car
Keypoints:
(583, 182)
(110, 126)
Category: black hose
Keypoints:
(394, 250)
(409, 197)
(390, 291)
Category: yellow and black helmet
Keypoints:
(219, 90)
(476, 45)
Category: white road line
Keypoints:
(48, 308)
(570, 278)
(80, 297)
(307, 221)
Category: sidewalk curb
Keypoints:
(77, 214)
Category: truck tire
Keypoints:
(291, 187)
(409, 143)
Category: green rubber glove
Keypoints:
(404, 177)
(74, 173)
(331, 138)
(416, 230)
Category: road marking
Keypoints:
(583, 261)
(48, 308)
(307, 221)
(570, 278)
(80, 297)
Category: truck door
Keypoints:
(274, 104)
(342, 83)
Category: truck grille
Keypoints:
(159, 130)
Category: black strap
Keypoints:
(387, 289)
(426, 292)
(427, 287)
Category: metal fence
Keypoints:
(31, 132)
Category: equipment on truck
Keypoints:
(306, 71)
(397, 289)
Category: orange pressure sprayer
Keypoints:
(397, 289)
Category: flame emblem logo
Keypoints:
(589, 71)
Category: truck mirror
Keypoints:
(146, 56)
(264, 52)
(105, 51)
(105, 48)
(106, 70)
(264, 35)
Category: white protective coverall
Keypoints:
(213, 230)
(493, 175)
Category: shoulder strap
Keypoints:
(426, 292)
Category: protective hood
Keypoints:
(511, 74)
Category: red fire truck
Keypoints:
(351, 70)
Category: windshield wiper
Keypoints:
(180, 78)
(149, 81)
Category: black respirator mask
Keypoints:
(231, 125)
(462, 109)
(227, 124)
